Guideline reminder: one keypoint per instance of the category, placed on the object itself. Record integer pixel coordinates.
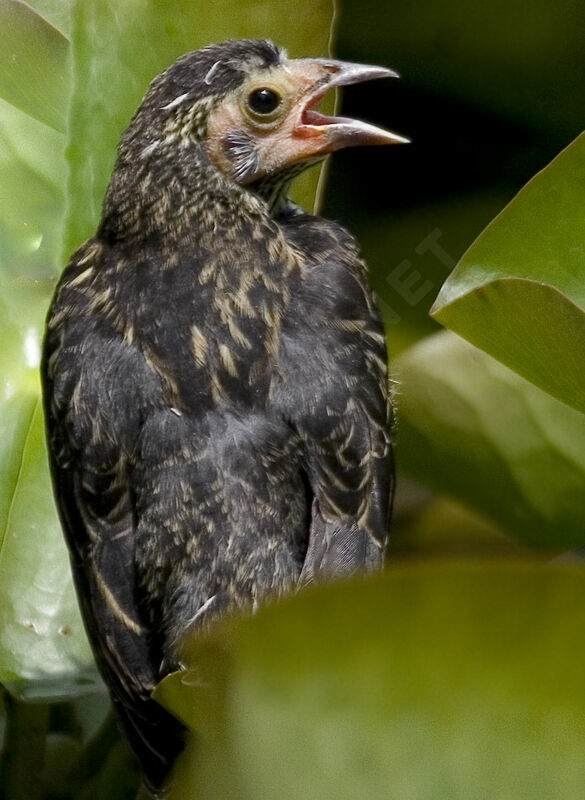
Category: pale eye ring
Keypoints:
(263, 101)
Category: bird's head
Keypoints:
(251, 110)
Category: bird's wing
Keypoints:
(334, 362)
(90, 427)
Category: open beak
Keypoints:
(323, 134)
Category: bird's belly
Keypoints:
(222, 511)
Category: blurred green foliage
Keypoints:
(431, 681)
(470, 426)
(457, 683)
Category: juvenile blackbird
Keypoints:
(214, 372)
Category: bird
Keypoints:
(214, 373)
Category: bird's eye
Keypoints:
(265, 106)
(263, 101)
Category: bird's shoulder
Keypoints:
(333, 356)
(336, 284)
(319, 238)
(334, 308)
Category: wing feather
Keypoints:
(92, 420)
(334, 388)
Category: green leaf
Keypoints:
(430, 684)
(119, 46)
(32, 166)
(43, 649)
(58, 12)
(34, 64)
(518, 293)
(474, 429)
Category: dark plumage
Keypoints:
(214, 373)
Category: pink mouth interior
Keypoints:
(310, 117)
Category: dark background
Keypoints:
(488, 97)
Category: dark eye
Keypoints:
(263, 101)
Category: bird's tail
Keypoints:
(156, 738)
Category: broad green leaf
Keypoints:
(119, 46)
(58, 12)
(32, 167)
(474, 429)
(519, 291)
(456, 683)
(34, 63)
(43, 648)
